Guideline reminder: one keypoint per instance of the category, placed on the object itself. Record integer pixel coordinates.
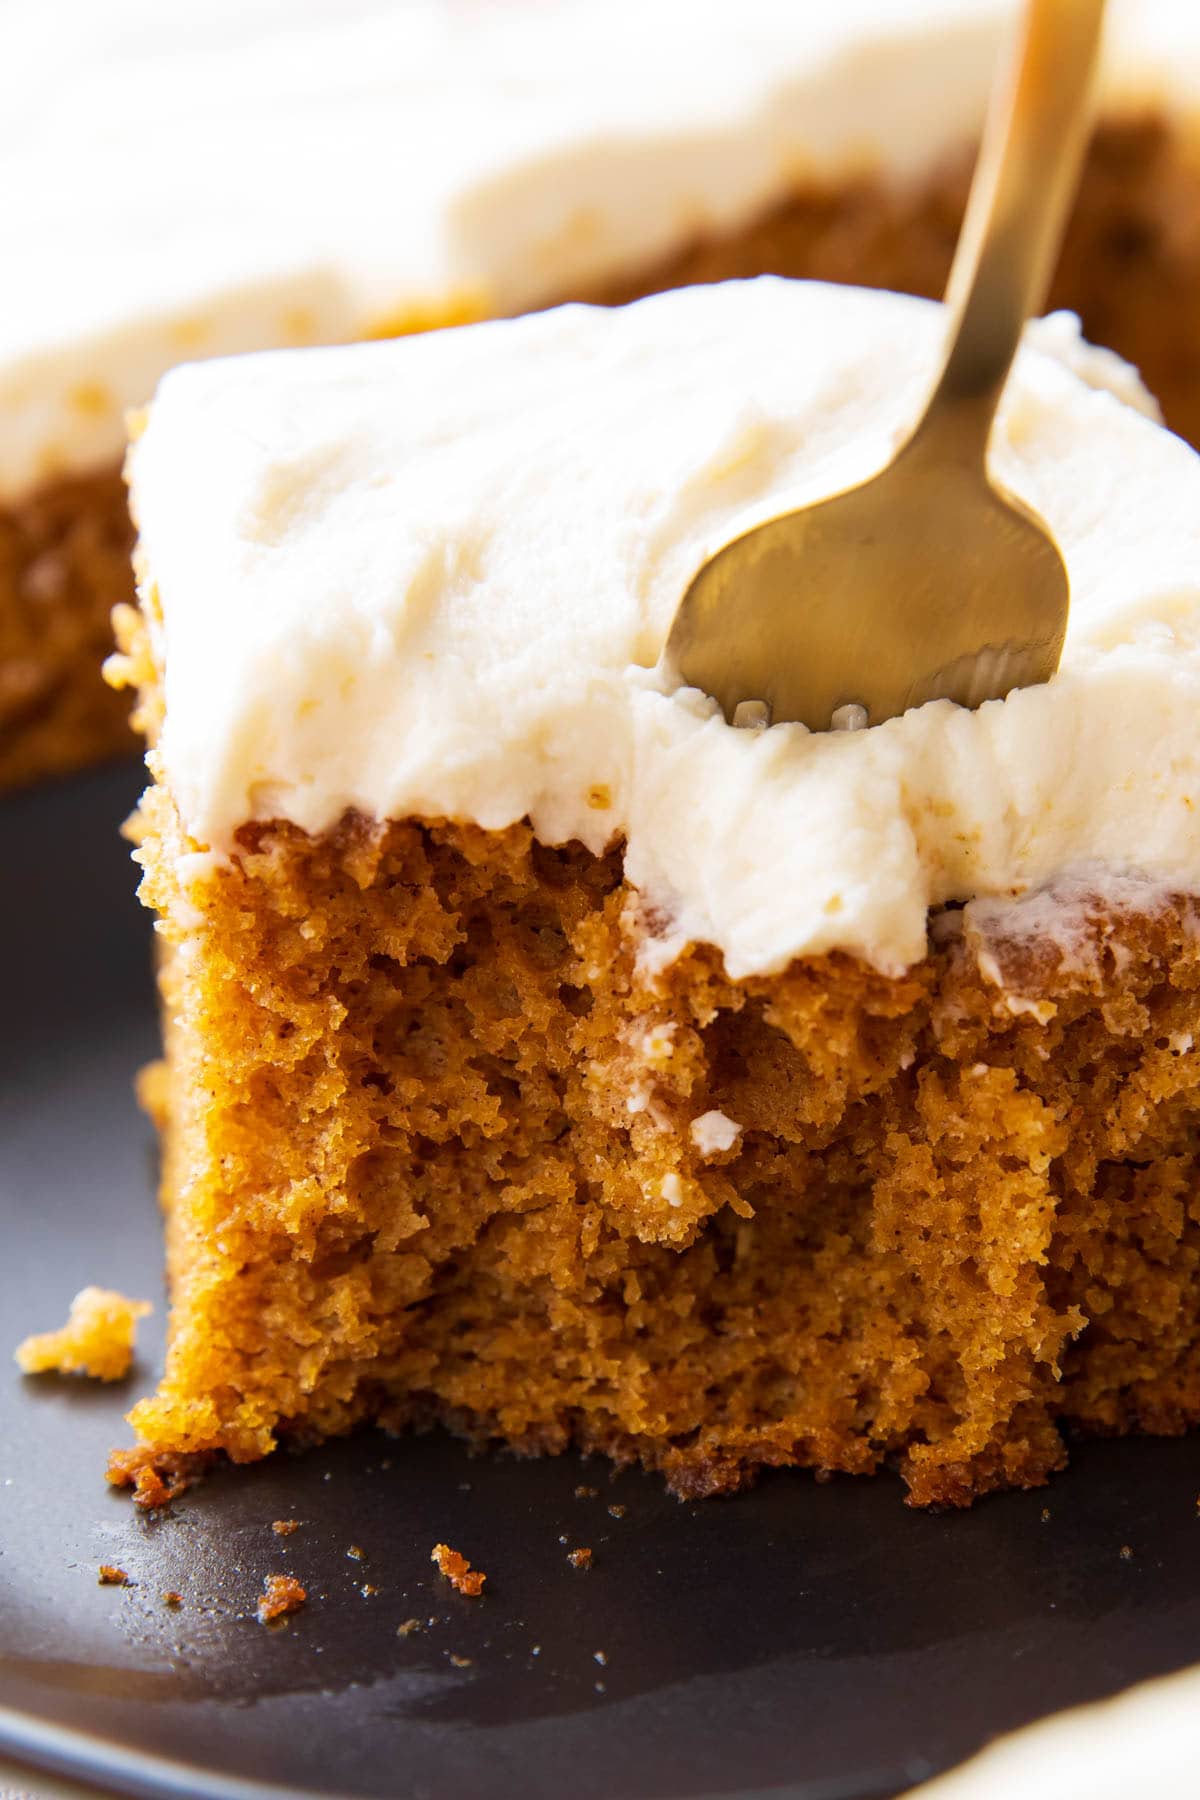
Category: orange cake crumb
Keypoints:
(458, 1571)
(282, 1594)
(156, 1477)
(153, 1089)
(111, 1576)
(172, 1598)
(581, 1558)
(97, 1339)
(284, 1527)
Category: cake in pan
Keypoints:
(194, 184)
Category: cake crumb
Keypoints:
(461, 1662)
(457, 1570)
(284, 1527)
(282, 1594)
(408, 1627)
(152, 1087)
(1126, 1552)
(97, 1339)
(586, 1493)
(1045, 1515)
(111, 1576)
(156, 1477)
(368, 1590)
(600, 1657)
(616, 1510)
(357, 1552)
(173, 1598)
(150, 1490)
(581, 1558)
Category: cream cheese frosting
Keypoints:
(178, 182)
(434, 577)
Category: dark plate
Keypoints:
(818, 1640)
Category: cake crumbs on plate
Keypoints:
(581, 1558)
(109, 1575)
(586, 1493)
(156, 1476)
(408, 1627)
(97, 1339)
(284, 1527)
(282, 1594)
(357, 1553)
(458, 1571)
(617, 1511)
(173, 1598)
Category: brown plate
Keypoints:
(804, 1639)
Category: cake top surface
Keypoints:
(178, 182)
(433, 577)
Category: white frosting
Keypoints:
(179, 181)
(433, 577)
(1146, 1741)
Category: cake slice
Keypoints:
(177, 185)
(549, 1058)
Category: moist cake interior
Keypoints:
(1130, 268)
(448, 1155)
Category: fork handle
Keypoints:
(1024, 183)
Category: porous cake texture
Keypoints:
(321, 174)
(547, 1057)
(440, 1152)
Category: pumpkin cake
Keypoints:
(325, 172)
(549, 1058)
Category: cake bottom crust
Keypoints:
(439, 1148)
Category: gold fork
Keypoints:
(929, 580)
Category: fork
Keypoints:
(930, 580)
